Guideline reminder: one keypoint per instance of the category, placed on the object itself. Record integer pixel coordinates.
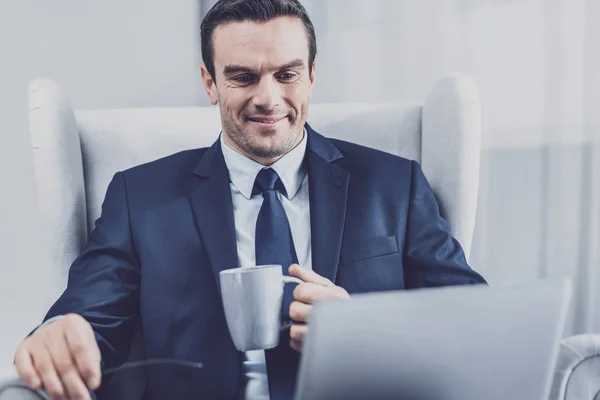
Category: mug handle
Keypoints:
(289, 279)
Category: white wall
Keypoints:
(102, 53)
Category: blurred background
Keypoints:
(537, 64)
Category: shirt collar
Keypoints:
(290, 168)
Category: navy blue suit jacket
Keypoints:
(167, 229)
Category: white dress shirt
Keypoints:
(292, 171)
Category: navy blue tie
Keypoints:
(274, 245)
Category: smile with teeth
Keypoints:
(265, 120)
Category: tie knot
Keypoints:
(267, 179)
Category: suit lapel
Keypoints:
(328, 193)
(213, 211)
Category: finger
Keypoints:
(84, 350)
(25, 368)
(45, 367)
(298, 332)
(308, 293)
(308, 275)
(294, 344)
(299, 311)
(74, 385)
(67, 371)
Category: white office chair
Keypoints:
(76, 152)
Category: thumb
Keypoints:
(308, 275)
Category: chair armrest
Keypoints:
(12, 387)
(577, 373)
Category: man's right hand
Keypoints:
(63, 356)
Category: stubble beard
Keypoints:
(253, 146)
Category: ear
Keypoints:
(311, 78)
(209, 85)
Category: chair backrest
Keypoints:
(76, 152)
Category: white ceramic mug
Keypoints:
(252, 298)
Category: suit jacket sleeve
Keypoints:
(104, 281)
(432, 257)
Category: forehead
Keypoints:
(258, 44)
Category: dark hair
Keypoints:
(225, 11)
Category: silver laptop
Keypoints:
(455, 343)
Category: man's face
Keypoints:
(262, 85)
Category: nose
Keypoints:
(267, 94)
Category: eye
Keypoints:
(286, 76)
(244, 78)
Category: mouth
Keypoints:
(266, 122)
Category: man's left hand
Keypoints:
(314, 288)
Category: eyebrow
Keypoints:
(233, 68)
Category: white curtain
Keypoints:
(537, 64)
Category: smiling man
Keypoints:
(341, 217)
